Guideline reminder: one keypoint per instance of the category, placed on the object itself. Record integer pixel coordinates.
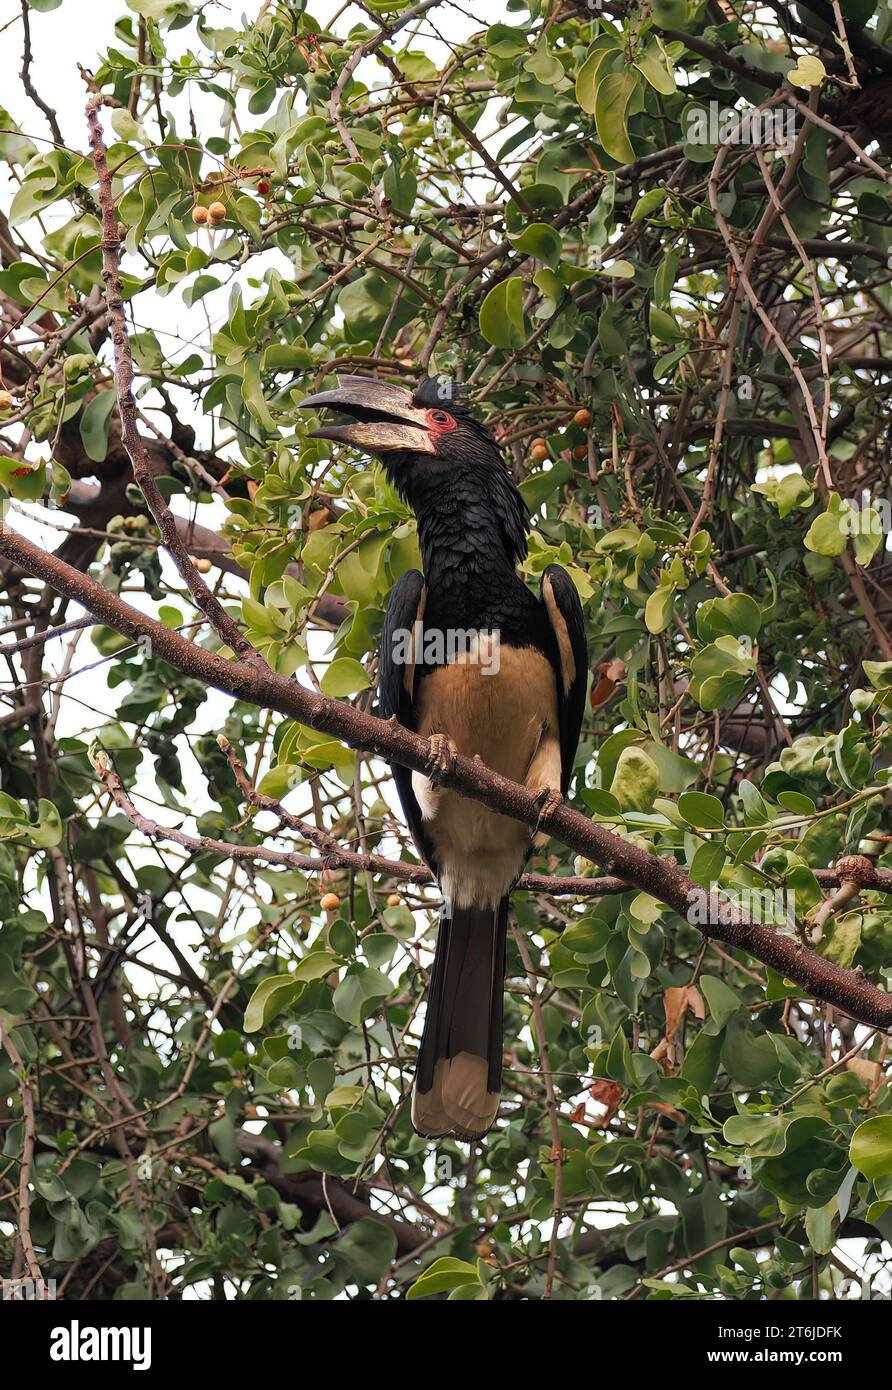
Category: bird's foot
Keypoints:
(441, 757)
(549, 800)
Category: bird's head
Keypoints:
(429, 423)
(430, 445)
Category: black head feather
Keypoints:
(466, 477)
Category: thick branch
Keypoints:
(663, 879)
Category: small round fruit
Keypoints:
(538, 443)
(329, 902)
(201, 563)
(580, 452)
(6, 401)
(263, 186)
(200, 214)
(394, 900)
(217, 211)
(540, 453)
(582, 417)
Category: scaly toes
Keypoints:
(442, 756)
(549, 800)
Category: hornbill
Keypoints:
(489, 669)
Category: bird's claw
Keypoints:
(549, 800)
(441, 756)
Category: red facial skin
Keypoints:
(439, 422)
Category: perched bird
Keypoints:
(491, 669)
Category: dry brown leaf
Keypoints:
(669, 1111)
(612, 673)
(871, 1073)
(678, 999)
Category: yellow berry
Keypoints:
(217, 211)
(582, 417)
(199, 214)
(202, 564)
(394, 900)
(540, 453)
(6, 401)
(329, 902)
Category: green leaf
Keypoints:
(721, 1001)
(819, 1227)
(95, 424)
(359, 993)
(588, 78)
(664, 326)
(270, 997)
(702, 1061)
(655, 67)
(844, 938)
(754, 807)
(345, 676)
(702, 810)
(279, 781)
(707, 864)
(829, 533)
(252, 391)
(636, 780)
(316, 966)
(540, 240)
(879, 673)
(361, 573)
(870, 1149)
(443, 1274)
(612, 342)
(611, 105)
(400, 186)
(648, 202)
(659, 607)
(720, 673)
(538, 487)
(24, 481)
(48, 829)
(735, 615)
(501, 314)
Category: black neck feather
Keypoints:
(471, 516)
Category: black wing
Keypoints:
(558, 593)
(396, 687)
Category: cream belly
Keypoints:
(510, 720)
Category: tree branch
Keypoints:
(663, 879)
(207, 602)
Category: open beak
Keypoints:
(384, 418)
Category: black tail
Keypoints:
(459, 1073)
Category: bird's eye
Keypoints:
(441, 418)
